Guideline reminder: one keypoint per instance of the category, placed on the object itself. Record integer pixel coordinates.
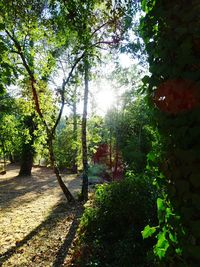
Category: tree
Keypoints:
(68, 148)
(28, 151)
(136, 134)
(100, 25)
(10, 140)
(173, 89)
(22, 34)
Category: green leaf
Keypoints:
(143, 4)
(151, 156)
(160, 204)
(173, 238)
(148, 231)
(161, 210)
(162, 245)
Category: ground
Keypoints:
(37, 225)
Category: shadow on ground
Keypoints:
(59, 213)
(43, 179)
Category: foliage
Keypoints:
(178, 164)
(10, 128)
(96, 133)
(10, 137)
(110, 229)
(132, 130)
(136, 135)
(65, 145)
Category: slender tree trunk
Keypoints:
(50, 134)
(4, 158)
(110, 152)
(75, 135)
(11, 158)
(64, 188)
(116, 161)
(84, 132)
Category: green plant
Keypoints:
(110, 229)
(173, 92)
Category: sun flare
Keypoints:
(105, 99)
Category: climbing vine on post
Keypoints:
(170, 30)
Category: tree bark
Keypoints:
(84, 194)
(27, 149)
(64, 188)
(116, 161)
(110, 151)
(4, 158)
(26, 161)
(75, 135)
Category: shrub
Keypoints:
(110, 228)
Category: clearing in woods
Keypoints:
(37, 225)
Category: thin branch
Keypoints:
(107, 42)
(100, 47)
(99, 28)
(65, 82)
(72, 69)
(19, 49)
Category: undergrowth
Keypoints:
(110, 229)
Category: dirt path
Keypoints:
(37, 225)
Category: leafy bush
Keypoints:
(110, 229)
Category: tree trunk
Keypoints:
(64, 188)
(116, 161)
(26, 160)
(27, 149)
(4, 158)
(110, 151)
(75, 135)
(84, 133)
(11, 158)
(29, 66)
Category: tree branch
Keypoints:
(99, 28)
(31, 75)
(65, 82)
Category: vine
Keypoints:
(170, 30)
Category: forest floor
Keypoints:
(37, 225)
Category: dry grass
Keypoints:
(37, 225)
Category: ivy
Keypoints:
(169, 30)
